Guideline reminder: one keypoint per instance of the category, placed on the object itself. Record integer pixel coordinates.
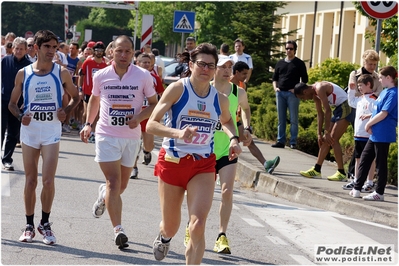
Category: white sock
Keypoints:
(104, 192)
(165, 240)
(117, 228)
(370, 182)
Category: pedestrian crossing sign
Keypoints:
(183, 21)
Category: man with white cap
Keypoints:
(225, 168)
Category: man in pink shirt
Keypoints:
(118, 93)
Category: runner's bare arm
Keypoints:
(70, 89)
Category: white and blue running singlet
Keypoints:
(192, 110)
(337, 96)
(42, 94)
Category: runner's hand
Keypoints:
(234, 149)
(188, 133)
(247, 138)
(61, 114)
(85, 133)
(132, 122)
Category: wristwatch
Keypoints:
(249, 129)
(88, 124)
(235, 137)
(20, 116)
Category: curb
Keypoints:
(251, 177)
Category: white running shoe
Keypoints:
(355, 193)
(48, 235)
(28, 234)
(135, 173)
(367, 188)
(66, 128)
(99, 206)
(160, 249)
(121, 238)
(374, 196)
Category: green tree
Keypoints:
(116, 17)
(20, 17)
(210, 15)
(254, 22)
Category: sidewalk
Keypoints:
(287, 183)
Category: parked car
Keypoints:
(169, 73)
(168, 60)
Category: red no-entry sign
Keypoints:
(380, 9)
(29, 34)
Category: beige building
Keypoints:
(323, 33)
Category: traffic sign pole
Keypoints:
(378, 36)
(182, 41)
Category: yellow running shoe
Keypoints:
(222, 245)
(311, 173)
(186, 236)
(337, 177)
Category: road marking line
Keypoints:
(301, 259)
(5, 185)
(363, 221)
(277, 240)
(252, 222)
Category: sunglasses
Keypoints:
(202, 65)
(30, 45)
(289, 48)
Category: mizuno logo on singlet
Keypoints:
(42, 107)
(116, 112)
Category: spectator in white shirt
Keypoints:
(241, 56)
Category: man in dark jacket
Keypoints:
(10, 65)
(287, 73)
